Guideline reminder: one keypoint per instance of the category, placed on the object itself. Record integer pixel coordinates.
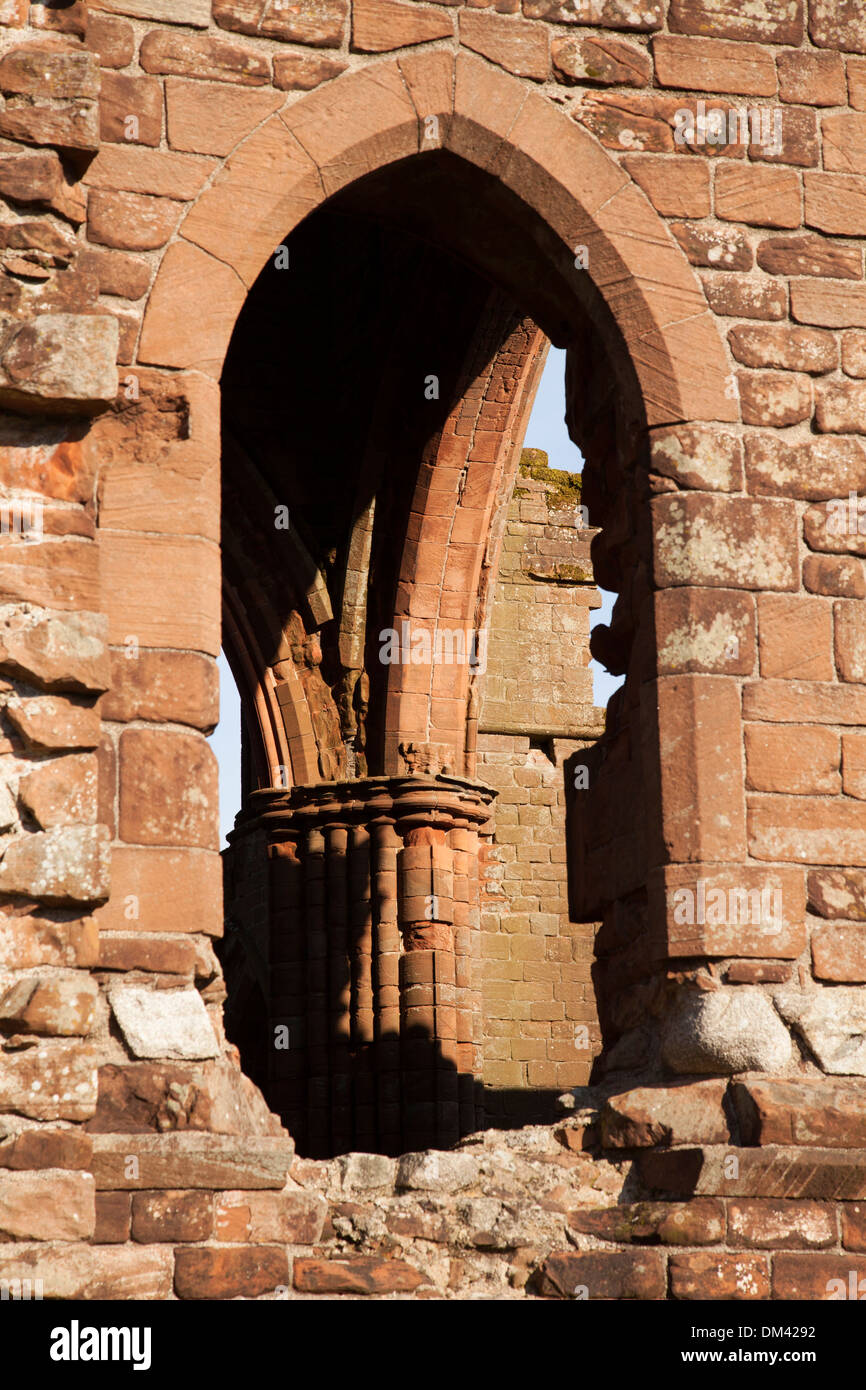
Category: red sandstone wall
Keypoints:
(747, 754)
(540, 1020)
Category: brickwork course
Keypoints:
(493, 994)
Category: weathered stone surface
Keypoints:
(159, 173)
(113, 40)
(825, 303)
(781, 1225)
(117, 273)
(806, 1110)
(215, 1161)
(182, 687)
(814, 79)
(168, 789)
(436, 1172)
(163, 1023)
(724, 541)
(67, 125)
(49, 722)
(838, 24)
(203, 57)
(853, 764)
(727, 1030)
(61, 791)
(41, 71)
(709, 631)
(773, 21)
(701, 1222)
(50, 573)
(39, 457)
(93, 1273)
(818, 1277)
(58, 651)
(713, 66)
(212, 119)
(853, 1226)
(832, 1023)
(356, 1275)
(601, 1275)
(285, 1218)
(792, 701)
(30, 178)
(49, 1081)
(675, 187)
(790, 759)
(130, 111)
(724, 248)
(59, 361)
(703, 458)
(317, 22)
(807, 254)
(28, 940)
(293, 71)
(143, 1097)
(46, 1148)
(774, 398)
(600, 61)
(821, 469)
(51, 1205)
(854, 354)
(653, 1115)
(378, 26)
(131, 221)
(164, 589)
(59, 1006)
(701, 796)
(243, 1273)
(158, 955)
(822, 531)
(163, 890)
(730, 910)
(174, 1216)
(794, 349)
(518, 47)
(742, 297)
(367, 1172)
(728, 1277)
(837, 893)
(841, 576)
(113, 1218)
(809, 830)
(195, 13)
(612, 14)
(774, 1171)
(68, 865)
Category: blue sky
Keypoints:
(546, 430)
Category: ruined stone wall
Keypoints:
(539, 1017)
(148, 170)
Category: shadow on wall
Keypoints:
(398, 1094)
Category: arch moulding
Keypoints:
(366, 120)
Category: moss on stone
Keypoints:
(563, 488)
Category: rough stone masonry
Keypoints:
(277, 287)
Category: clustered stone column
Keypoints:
(374, 1014)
